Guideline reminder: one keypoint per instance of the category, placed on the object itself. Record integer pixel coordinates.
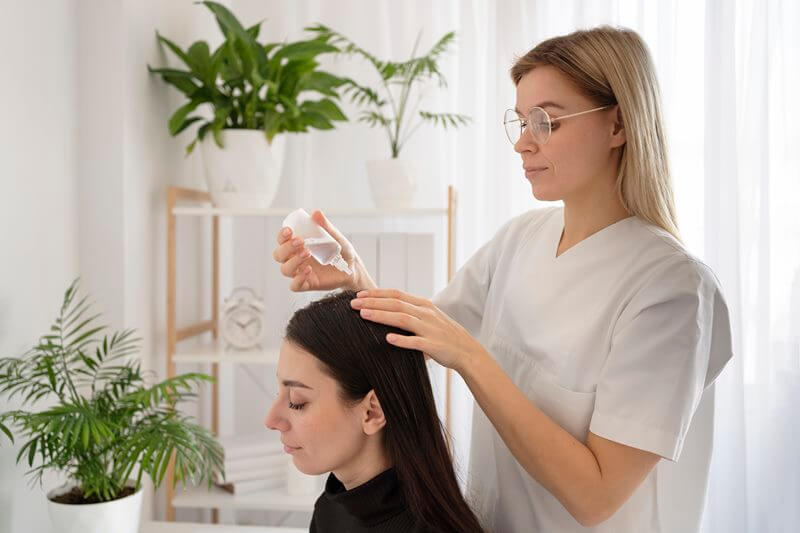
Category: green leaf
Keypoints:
(31, 453)
(303, 50)
(175, 50)
(201, 61)
(272, 121)
(183, 81)
(254, 30)
(241, 43)
(186, 123)
(374, 119)
(7, 431)
(177, 119)
(325, 107)
(321, 82)
(445, 119)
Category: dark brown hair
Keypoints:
(356, 354)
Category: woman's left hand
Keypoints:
(435, 334)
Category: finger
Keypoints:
(323, 221)
(311, 277)
(387, 304)
(284, 235)
(408, 342)
(286, 250)
(289, 268)
(398, 320)
(299, 282)
(394, 294)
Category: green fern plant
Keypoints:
(249, 85)
(389, 107)
(108, 424)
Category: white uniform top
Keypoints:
(620, 335)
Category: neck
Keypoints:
(368, 463)
(590, 212)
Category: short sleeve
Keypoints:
(464, 298)
(669, 344)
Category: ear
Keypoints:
(372, 420)
(618, 137)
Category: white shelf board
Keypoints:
(265, 500)
(283, 211)
(214, 352)
(188, 527)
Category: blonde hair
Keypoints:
(613, 66)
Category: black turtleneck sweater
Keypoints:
(376, 506)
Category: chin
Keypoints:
(309, 470)
(545, 195)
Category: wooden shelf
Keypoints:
(283, 211)
(266, 500)
(214, 352)
(188, 202)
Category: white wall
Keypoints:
(87, 159)
(39, 203)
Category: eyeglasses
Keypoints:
(539, 123)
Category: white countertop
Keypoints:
(187, 527)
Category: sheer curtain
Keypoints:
(730, 79)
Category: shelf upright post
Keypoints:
(172, 197)
(172, 335)
(451, 212)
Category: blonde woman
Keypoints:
(586, 333)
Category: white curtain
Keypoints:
(730, 82)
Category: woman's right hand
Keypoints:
(307, 274)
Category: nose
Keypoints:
(526, 142)
(275, 418)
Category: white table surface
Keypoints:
(187, 527)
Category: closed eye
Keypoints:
(296, 406)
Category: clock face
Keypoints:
(242, 327)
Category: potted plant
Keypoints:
(393, 181)
(103, 424)
(254, 92)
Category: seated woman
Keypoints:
(351, 404)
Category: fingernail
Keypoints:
(297, 242)
(361, 294)
(390, 337)
(366, 313)
(305, 253)
(285, 232)
(356, 303)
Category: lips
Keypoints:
(289, 449)
(534, 169)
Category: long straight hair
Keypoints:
(355, 353)
(613, 66)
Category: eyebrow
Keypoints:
(542, 105)
(297, 384)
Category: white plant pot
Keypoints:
(393, 182)
(246, 172)
(119, 516)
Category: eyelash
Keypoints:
(296, 406)
(553, 125)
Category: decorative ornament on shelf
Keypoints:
(242, 319)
